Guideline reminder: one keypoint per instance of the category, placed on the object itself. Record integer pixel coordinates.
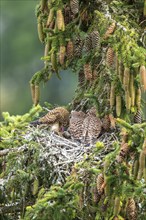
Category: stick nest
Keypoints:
(61, 153)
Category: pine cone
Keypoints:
(138, 98)
(87, 71)
(138, 117)
(88, 44)
(70, 49)
(37, 95)
(67, 15)
(78, 44)
(110, 30)
(126, 78)
(95, 39)
(99, 183)
(131, 210)
(118, 105)
(81, 78)
(60, 20)
(94, 74)
(142, 72)
(110, 57)
(96, 196)
(62, 54)
(54, 61)
(74, 4)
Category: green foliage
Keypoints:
(13, 126)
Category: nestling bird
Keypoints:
(56, 118)
(76, 124)
(92, 126)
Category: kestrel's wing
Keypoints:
(72, 125)
(85, 128)
(49, 118)
(94, 127)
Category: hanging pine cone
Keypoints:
(46, 51)
(131, 209)
(37, 94)
(40, 30)
(51, 26)
(50, 17)
(138, 98)
(112, 96)
(121, 71)
(88, 44)
(95, 39)
(81, 78)
(138, 117)
(142, 72)
(67, 15)
(144, 146)
(110, 30)
(118, 105)
(116, 206)
(32, 88)
(74, 4)
(96, 196)
(70, 49)
(54, 61)
(116, 218)
(62, 54)
(94, 74)
(99, 183)
(141, 165)
(110, 57)
(126, 78)
(127, 100)
(132, 90)
(44, 5)
(87, 71)
(106, 123)
(60, 20)
(78, 44)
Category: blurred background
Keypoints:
(21, 53)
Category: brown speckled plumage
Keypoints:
(92, 126)
(106, 123)
(59, 114)
(76, 124)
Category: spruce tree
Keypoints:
(47, 177)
